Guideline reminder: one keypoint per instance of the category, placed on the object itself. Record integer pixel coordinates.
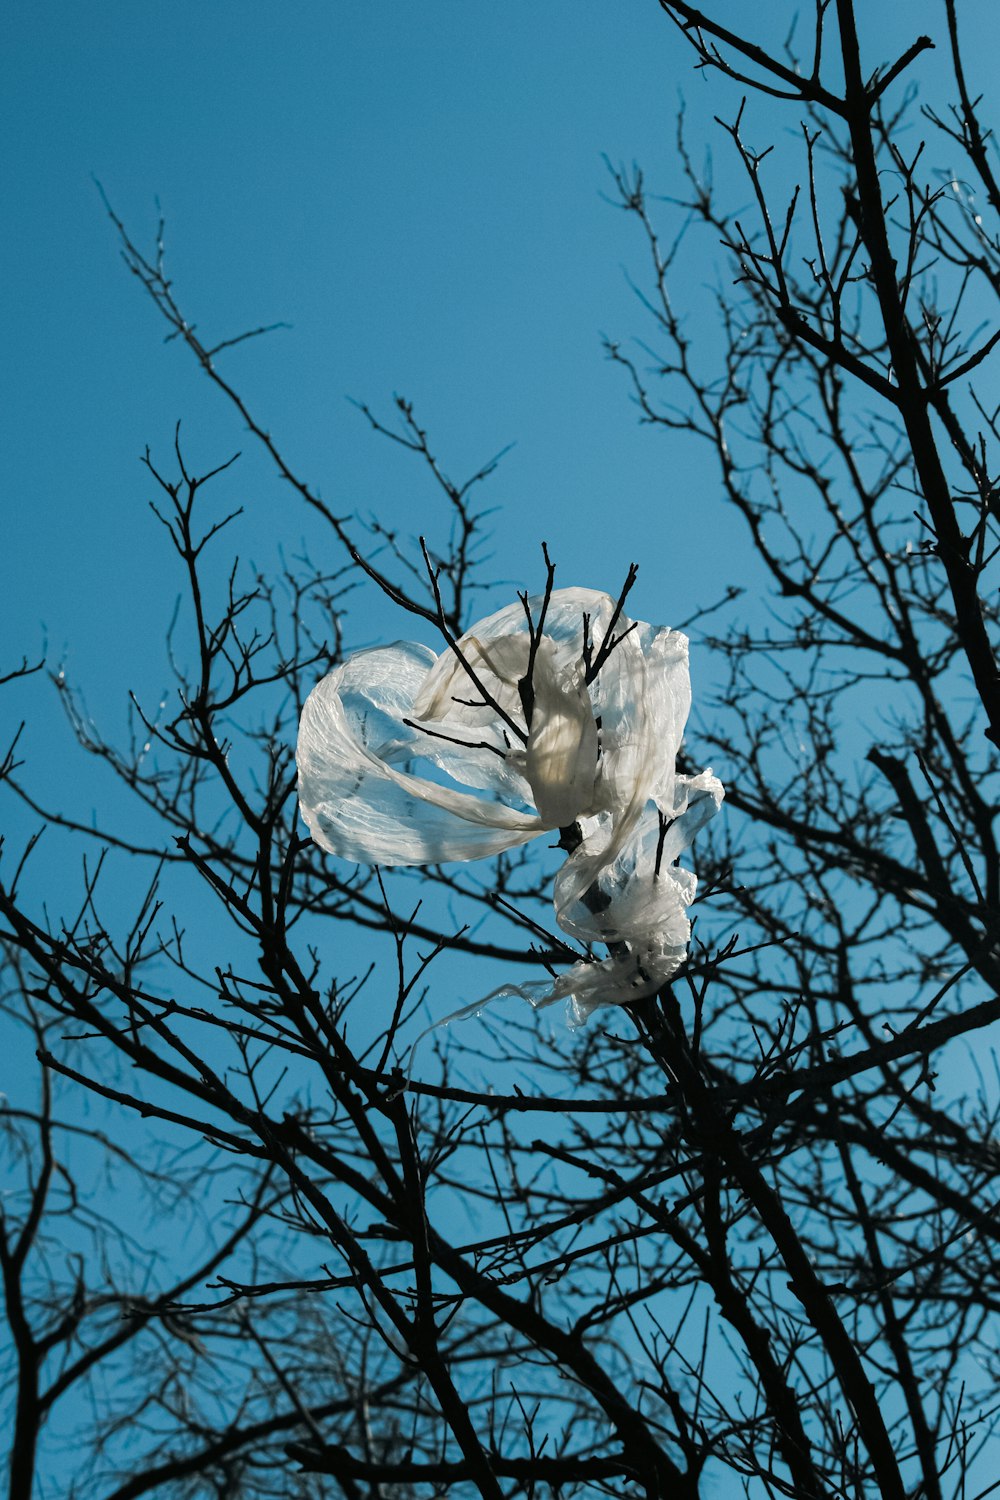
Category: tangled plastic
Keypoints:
(558, 713)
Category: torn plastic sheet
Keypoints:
(410, 758)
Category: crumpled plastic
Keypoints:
(410, 758)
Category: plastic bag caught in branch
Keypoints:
(407, 758)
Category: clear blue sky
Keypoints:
(416, 189)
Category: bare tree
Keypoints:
(737, 1236)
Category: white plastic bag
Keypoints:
(407, 758)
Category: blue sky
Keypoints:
(418, 195)
(417, 191)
